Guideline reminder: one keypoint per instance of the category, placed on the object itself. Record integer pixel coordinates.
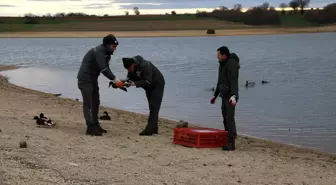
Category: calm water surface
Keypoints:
(297, 107)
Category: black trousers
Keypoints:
(154, 96)
(91, 102)
(228, 112)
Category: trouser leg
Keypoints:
(154, 97)
(224, 115)
(95, 104)
(86, 91)
(230, 119)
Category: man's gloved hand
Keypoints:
(118, 82)
(233, 100)
(213, 100)
(129, 83)
(111, 83)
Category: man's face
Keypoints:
(131, 69)
(114, 47)
(221, 57)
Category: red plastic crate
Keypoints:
(200, 137)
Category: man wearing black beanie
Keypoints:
(95, 61)
(144, 74)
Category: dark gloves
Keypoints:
(111, 83)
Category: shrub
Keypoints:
(211, 31)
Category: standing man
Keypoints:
(142, 73)
(227, 88)
(95, 61)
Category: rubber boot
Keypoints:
(93, 130)
(230, 146)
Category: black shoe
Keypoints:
(93, 131)
(229, 146)
(146, 133)
(156, 131)
(101, 129)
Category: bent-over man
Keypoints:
(142, 73)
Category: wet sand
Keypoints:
(171, 33)
(64, 155)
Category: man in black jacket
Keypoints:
(95, 61)
(142, 73)
(227, 87)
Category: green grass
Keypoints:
(294, 20)
(42, 21)
(16, 27)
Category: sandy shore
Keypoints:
(64, 155)
(177, 33)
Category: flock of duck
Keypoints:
(45, 121)
(251, 84)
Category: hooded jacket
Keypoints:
(96, 61)
(228, 74)
(145, 74)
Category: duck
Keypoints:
(264, 82)
(249, 84)
(105, 117)
(42, 120)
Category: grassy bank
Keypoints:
(134, 23)
(64, 155)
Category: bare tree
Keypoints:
(223, 8)
(283, 6)
(126, 13)
(265, 6)
(136, 11)
(237, 7)
(303, 4)
(294, 4)
(173, 12)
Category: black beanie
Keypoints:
(128, 62)
(109, 40)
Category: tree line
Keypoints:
(263, 14)
(267, 15)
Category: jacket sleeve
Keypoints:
(103, 66)
(217, 89)
(147, 74)
(233, 70)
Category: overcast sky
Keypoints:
(115, 7)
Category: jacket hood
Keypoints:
(138, 58)
(234, 56)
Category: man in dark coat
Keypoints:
(142, 73)
(227, 87)
(95, 61)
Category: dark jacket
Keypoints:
(228, 73)
(96, 61)
(145, 74)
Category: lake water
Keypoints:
(297, 107)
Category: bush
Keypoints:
(31, 20)
(254, 16)
(325, 16)
(260, 16)
(229, 15)
(211, 31)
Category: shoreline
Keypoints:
(64, 154)
(168, 33)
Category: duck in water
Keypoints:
(264, 82)
(249, 84)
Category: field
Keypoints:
(131, 23)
